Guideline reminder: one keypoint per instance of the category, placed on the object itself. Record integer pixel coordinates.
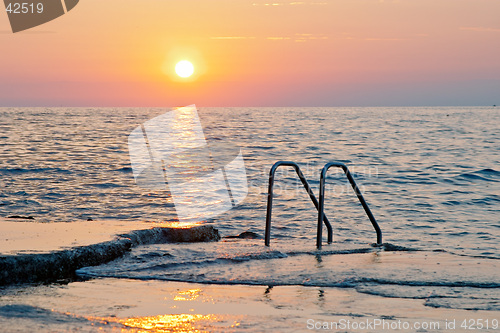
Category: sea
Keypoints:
(430, 175)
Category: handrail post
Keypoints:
(321, 208)
(269, 207)
(275, 166)
(358, 194)
(364, 204)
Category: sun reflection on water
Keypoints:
(188, 295)
(170, 323)
(180, 225)
(173, 322)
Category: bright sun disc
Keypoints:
(184, 68)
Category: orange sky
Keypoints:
(257, 53)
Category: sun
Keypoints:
(184, 68)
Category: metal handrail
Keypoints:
(308, 189)
(358, 194)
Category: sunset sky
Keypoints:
(257, 53)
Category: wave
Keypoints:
(127, 170)
(343, 283)
(489, 175)
(105, 185)
(16, 171)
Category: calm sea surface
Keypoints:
(430, 175)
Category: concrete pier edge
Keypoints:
(62, 264)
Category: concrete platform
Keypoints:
(44, 252)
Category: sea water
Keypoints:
(431, 177)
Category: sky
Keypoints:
(257, 53)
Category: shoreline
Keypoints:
(126, 305)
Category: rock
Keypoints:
(246, 235)
(196, 234)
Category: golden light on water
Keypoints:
(169, 323)
(188, 295)
(183, 323)
(180, 225)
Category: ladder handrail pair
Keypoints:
(320, 205)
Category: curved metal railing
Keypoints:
(320, 205)
(358, 194)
